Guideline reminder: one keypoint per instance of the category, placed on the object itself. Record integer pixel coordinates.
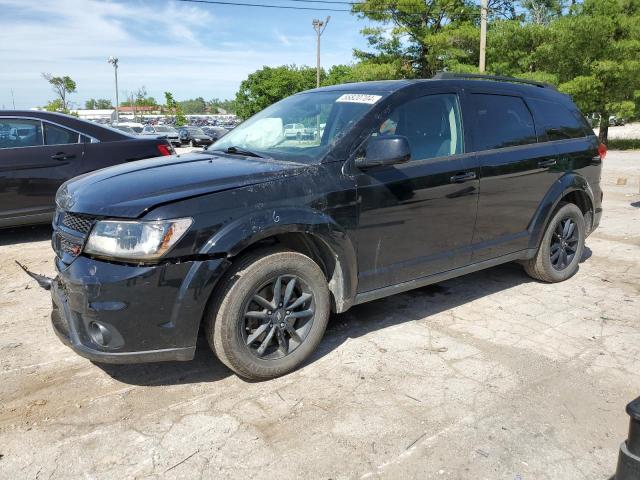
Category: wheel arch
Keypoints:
(309, 232)
(570, 188)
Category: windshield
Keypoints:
(299, 128)
(196, 131)
(164, 129)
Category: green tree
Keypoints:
(55, 106)
(99, 104)
(216, 105)
(140, 98)
(271, 84)
(62, 86)
(595, 56)
(174, 107)
(417, 38)
(193, 106)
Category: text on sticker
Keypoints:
(359, 98)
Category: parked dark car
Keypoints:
(216, 133)
(41, 150)
(125, 129)
(167, 131)
(194, 136)
(259, 238)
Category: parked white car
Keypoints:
(294, 130)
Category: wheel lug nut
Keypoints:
(269, 312)
(288, 312)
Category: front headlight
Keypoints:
(135, 240)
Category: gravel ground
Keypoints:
(488, 376)
(628, 131)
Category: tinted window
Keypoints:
(556, 121)
(54, 135)
(501, 121)
(15, 133)
(431, 124)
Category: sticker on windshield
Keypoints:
(359, 98)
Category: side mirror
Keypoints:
(383, 151)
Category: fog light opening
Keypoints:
(99, 334)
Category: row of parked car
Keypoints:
(189, 135)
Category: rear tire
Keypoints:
(268, 338)
(561, 248)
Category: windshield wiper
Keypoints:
(241, 151)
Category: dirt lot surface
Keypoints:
(488, 376)
(628, 131)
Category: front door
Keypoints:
(416, 219)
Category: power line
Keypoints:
(291, 7)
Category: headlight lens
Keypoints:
(137, 240)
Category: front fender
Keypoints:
(570, 182)
(239, 234)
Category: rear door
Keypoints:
(416, 219)
(516, 172)
(36, 157)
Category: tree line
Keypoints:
(63, 86)
(589, 50)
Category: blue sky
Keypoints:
(188, 49)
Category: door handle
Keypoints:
(463, 177)
(547, 163)
(62, 156)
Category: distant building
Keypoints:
(108, 115)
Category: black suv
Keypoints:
(260, 237)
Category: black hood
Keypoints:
(131, 189)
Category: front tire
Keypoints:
(269, 313)
(561, 248)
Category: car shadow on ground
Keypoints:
(358, 321)
(204, 368)
(34, 233)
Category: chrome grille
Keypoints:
(77, 222)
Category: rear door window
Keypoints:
(17, 132)
(55, 135)
(431, 124)
(501, 121)
(556, 122)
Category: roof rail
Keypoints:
(495, 78)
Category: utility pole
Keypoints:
(13, 100)
(483, 34)
(114, 61)
(319, 26)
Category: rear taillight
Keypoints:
(602, 151)
(165, 149)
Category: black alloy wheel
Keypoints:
(561, 247)
(564, 244)
(278, 317)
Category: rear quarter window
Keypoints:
(556, 121)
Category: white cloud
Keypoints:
(283, 38)
(187, 49)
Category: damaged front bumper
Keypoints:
(115, 313)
